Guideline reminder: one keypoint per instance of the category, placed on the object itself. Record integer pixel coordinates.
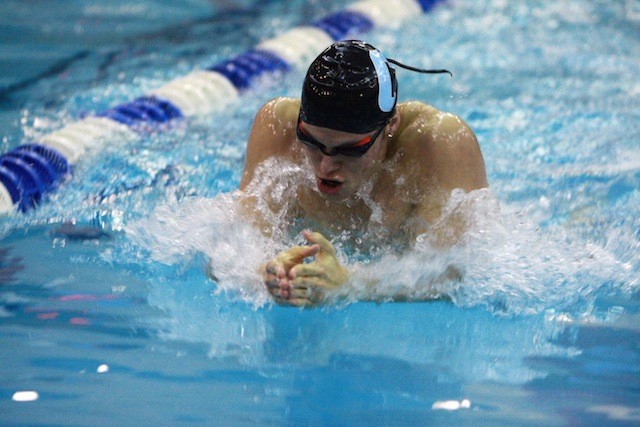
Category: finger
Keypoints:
(284, 283)
(306, 270)
(281, 301)
(315, 294)
(299, 292)
(277, 297)
(284, 292)
(300, 302)
(320, 240)
(274, 268)
(271, 267)
(272, 283)
(297, 254)
(309, 282)
(277, 292)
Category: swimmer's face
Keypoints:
(340, 176)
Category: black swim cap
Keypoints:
(349, 87)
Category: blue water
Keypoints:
(120, 325)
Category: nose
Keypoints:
(329, 164)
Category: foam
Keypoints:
(176, 234)
(503, 263)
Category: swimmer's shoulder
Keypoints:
(443, 144)
(425, 126)
(271, 135)
(274, 124)
(413, 111)
(278, 113)
(415, 131)
(418, 116)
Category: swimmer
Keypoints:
(352, 139)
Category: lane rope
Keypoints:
(30, 171)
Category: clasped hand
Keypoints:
(292, 282)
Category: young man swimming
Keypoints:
(370, 162)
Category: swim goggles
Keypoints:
(358, 149)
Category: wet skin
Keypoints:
(420, 156)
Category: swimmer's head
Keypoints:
(351, 87)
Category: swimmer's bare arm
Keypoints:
(272, 136)
(451, 159)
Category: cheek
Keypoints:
(355, 168)
(314, 156)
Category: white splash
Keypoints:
(504, 261)
(451, 405)
(25, 396)
(176, 234)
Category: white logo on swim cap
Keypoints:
(386, 97)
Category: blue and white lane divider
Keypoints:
(32, 170)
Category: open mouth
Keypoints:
(329, 186)
(330, 183)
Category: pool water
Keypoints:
(115, 322)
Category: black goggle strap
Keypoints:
(419, 70)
